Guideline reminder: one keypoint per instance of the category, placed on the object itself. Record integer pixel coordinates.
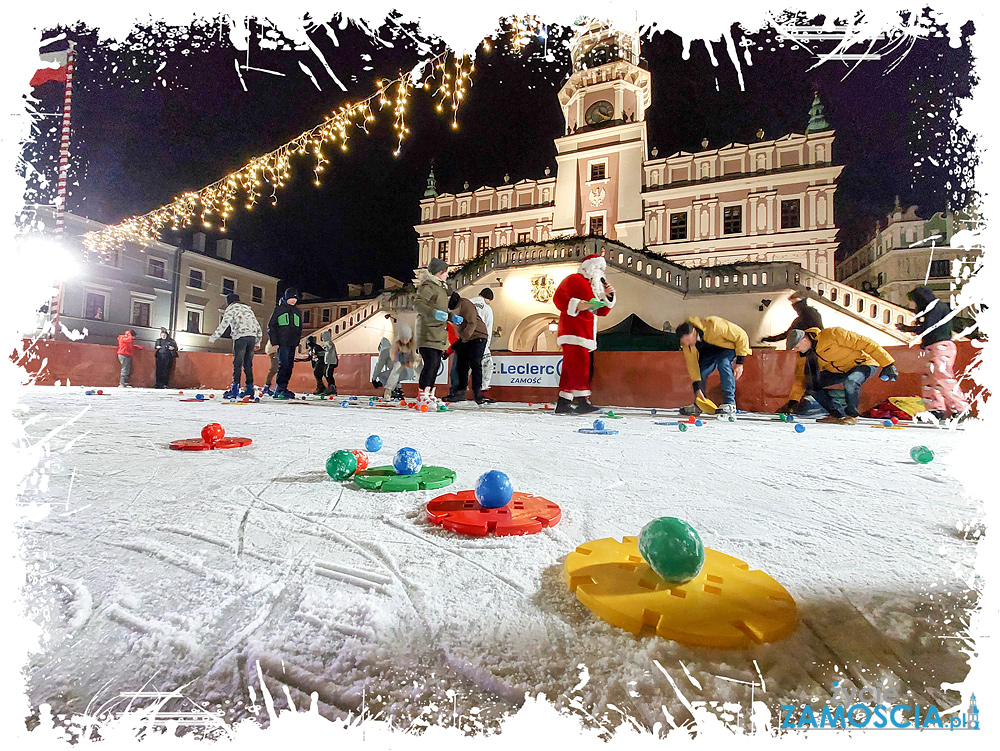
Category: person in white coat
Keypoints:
(247, 335)
(482, 303)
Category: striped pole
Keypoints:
(63, 173)
(64, 143)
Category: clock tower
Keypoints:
(600, 157)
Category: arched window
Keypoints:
(887, 317)
(833, 294)
(861, 305)
(763, 277)
(873, 311)
(847, 299)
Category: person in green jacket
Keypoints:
(431, 336)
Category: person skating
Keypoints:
(383, 365)
(166, 352)
(246, 336)
(330, 360)
(482, 303)
(402, 357)
(940, 390)
(284, 330)
(713, 343)
(431, 336)
(469, 349)
(580, 298)
(836, 356)
(806, 317)
(126, 347)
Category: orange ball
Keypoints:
(212, 432)
(211, 396)
(402, 402)
(180, 392)
(362, 458)
(423, 407)
(691, 418)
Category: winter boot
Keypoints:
(319, 390)
(331, 390)
(397, 393)
(726, 410)
(453, 397)
(584, 407)
(231, 392)
(481, 399)
(267, 391)
(691, 409)
(284, 394)
(248, 391)
(564, 407)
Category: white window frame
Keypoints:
(224, 280)
(95, 289)
(722, 219)
(801, 198)
(135, 297)
(666, 229)
(149, 261)
(591, 163)
(253, 294)
(603, 214)
(529, 233)
(489, 238)
(204, 283)
(326, 315)
(200, 310)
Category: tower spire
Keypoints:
(431, 190)
(817, 116)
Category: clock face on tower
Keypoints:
(599, 112)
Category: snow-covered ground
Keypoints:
(156, 569)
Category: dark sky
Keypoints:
(143, 134)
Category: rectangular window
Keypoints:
(96, 306)
(941, 268)
(257, 293)
(306, 316)
(523, 237)
(598, 171)
(326, 315)
(196, 279)
(791, 214)
(482, 244)
(157, 268)
(193, 322)
(342, 312)
(732, 220)
(596, 225)
(443, 250)
(679, 226)
(228, 286)
(140, 313)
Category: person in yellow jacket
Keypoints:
(708, 344)
(835, 356)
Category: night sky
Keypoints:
(143, 134)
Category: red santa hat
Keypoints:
(593, 264)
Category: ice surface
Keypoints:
(157, 568)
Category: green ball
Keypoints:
(781, 417)
(341, 465)
(682, 426)
(672, 549)
(921, 454)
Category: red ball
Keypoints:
(100, 391)
(180, 392)
(362, 458)
(895, 420)
(402, 402)
(423, 407)
(212, 432)
(691, 418)
(211, 396)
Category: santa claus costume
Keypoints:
(577, 333)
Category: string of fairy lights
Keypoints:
(447, 77)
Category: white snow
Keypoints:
(168, 568)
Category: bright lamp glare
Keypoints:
(51, 256)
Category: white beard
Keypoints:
(596, 278)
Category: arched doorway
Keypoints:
(536, 333)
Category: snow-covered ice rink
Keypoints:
(155, 569)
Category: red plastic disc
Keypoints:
(197, 444)
(524, 515)
(193, 400)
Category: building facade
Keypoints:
(159, 286)
(909, 251)
(766, 201)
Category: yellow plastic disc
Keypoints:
(726, 606)
(706, 404)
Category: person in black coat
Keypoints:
(284, 330)
(166, 353)
(806, 317)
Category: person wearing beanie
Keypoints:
(580, 298)
(713, 343)
(482, 303)
(126, 347)
(469, 349)
(838, 356)
(284, 330)
(431, 334)
(806, 317)
(246, 335)
(402, 357)
(330, 361)
(940, 390)
(166, 352)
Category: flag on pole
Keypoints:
(55, 69)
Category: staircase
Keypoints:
(342, 325)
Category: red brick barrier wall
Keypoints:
(628, 379)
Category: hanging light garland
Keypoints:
(449, 75)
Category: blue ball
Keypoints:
(598, 424)
(200, 396)
(354, 398)
(789, 418)
(407, 461)
(374, 443)
(494, 490)
(343, 404)
(800, 428)
(652, 411)
(90, 393)
(699, 423)
(887, 423)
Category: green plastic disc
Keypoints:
(386, 480)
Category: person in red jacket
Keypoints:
(126, 344)
(580, 298)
